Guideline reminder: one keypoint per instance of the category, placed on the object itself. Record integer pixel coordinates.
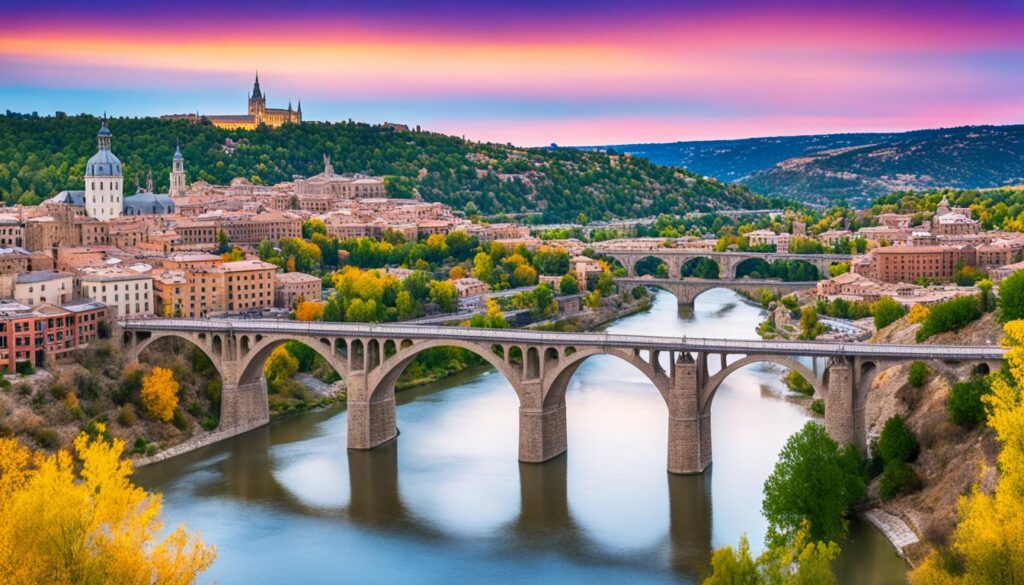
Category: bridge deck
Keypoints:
(608, 340)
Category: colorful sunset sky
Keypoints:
(530, 72)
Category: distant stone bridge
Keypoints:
(538, 365)
(728, 262)
(686, 290)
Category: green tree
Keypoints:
(312, 226)
(523, 275)
(897, 442)
(814, 480)
(605, 283)
(568, 285)
(951, 315)
(223, 243)
(1011, 297)
(405, 305)
(985, 296)
(918, 374)
(444, 295)
(886, 312)
(965, 403)
(796, 562)
(483, 267)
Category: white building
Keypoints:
(178, 184)
(104, 183)
(125, 291)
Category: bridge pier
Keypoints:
(839, 419)
(244, 406)
(542, 433)
(371, 419)
(689, 429)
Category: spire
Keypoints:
(300, 107)
(256, 87)
(177, 152)
(103, 136)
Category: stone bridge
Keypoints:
(686, 290)
(538, 365)
(728, 262)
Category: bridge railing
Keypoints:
(643, 342)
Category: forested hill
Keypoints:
(40, 156)
(856, 167)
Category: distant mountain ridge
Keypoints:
(854, 167)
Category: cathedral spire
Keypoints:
(256, 87)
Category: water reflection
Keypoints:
(448, 500)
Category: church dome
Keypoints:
(103, 164)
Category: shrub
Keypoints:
(965, 405)
(767, 297)
(950, 315)
(790, 302)
(639, 292)
(126, 415)
(818, 407)
(898, 478)
(129, 386)
(25, 368)
(918, 313)
(46, 438)
(897, 443)
(139, 446)
(179, 420)
(886, 312)
(798, 384)
(213, 391)
(918, 374)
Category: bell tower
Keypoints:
(178, 186)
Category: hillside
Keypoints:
(40, 156)
(856, 167)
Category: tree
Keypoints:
(523, 275)
(886, 312)
(918, 374)
(918, 313)
(406, 306)
(965, 403)
(988, 543)
(605, 283)
(1011, 297)
(796, 562)
(483, 267)
(69, 522)
(568, 285)
(280, 366)
(897, 443)
(837, 269)
(309, 311)
(223, 244)
(160, 394)
(814, 480)
(444, 294)
(810, 327)
(456, 273)
(582, 219)
(985, 297)
(312, 226)
(951, 315)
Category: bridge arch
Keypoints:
(383, 378)
(135, 347)
(250, 370)
(652, 265)
(557, 378)
(796, 269)
(710, 388)
(700, 267)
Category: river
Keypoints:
(448, 501)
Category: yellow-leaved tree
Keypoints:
(79, 519)
(160, 394)
(988, 544)
(309, 311)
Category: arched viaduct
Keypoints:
(538, 365)
(727, 262)
(686, 290)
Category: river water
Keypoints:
(448, 501)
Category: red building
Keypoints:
(46, 331)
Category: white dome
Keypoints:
(103, 164)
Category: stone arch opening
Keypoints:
(252, 371)
(786, 270)
(982, 369)
(217, 345)
(532, 363)
(651, 266)
(357, 355)
(707, 393)
(341, 348)
(142, 350)
(383, 379)
(372, 354)
(243, 345)
(389, 348)
(558, 378)
(700, 267)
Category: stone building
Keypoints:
(125, 292)
(292, 287)
(258, 114)
(47, 331)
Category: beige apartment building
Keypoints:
(216, 288)
(291, 287)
